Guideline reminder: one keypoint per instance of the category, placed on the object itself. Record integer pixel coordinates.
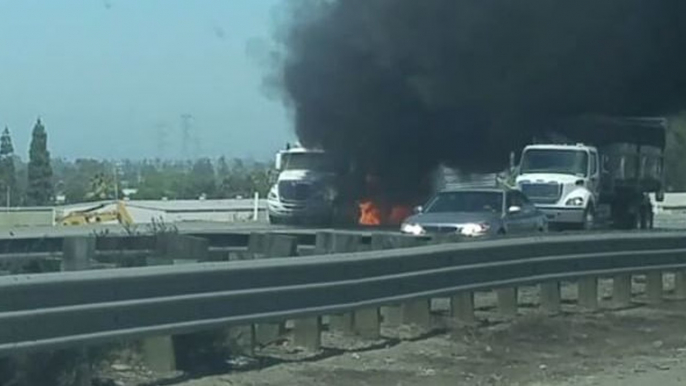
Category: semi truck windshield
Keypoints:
(555, 161)
(308, 161)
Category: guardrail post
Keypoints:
(507, 301)
(393, 315)
(159, 354)
(417, 313)
(680, 285)
(621, 291)
(257, 245)
(367, 323)
(550, 297)
(654, 287)
(588, 293)
(322, 243)
(462, 307)
(307, 333)
(276, 246)
(342, 243)
(77, 253)
(180, 249)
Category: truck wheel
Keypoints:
(275, 220)
(646, 221)
(589, 219)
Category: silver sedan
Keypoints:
(476, 212)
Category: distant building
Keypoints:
(128, 192)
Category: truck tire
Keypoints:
(275, 220)
(646, 218)
(643, 220)
(589, 219)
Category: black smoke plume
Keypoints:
(401, 86)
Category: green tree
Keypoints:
(101, 188)
(201, 180)
(39, 190)
(8, 174)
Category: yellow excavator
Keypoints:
(120, 214)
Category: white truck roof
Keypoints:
(301, 150)
(579, 146)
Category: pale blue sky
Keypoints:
(107, 76)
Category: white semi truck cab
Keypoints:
(305, 188)
(606, 179)
(563, 182)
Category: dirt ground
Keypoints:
(637, 346)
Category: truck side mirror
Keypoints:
(514, 209)
(277, 163)
(513, 161)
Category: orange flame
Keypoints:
(369, 214)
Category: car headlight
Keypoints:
(576, 201)
(413, 229)
(474, 229)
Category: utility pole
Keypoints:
(116, 181)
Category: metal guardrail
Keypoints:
(50, 311)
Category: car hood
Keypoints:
(452, 218)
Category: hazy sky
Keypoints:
(109, 77)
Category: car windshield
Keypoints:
(555, 161)
(307, 161)
(466, 202)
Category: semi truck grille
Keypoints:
(542, 193)
(292, 190)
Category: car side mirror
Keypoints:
(418, 209)
(514, 209)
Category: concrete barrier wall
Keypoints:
(672, 201)
(17, 217)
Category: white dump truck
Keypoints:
(306, 187)
(600, 173)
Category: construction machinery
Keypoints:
(93, 216)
